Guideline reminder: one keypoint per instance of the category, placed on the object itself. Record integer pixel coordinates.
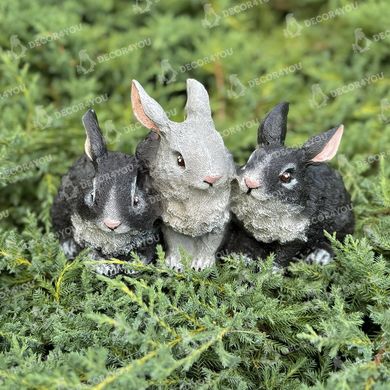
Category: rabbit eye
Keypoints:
(285, 177)
(180, 161)
(136, 201)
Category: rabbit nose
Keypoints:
(211, 179)
(251, 183)
(111, 223)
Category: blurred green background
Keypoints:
(57, 59)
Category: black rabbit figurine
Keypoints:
(284, 198)
(104, 203)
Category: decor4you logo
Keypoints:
(43, 119)
(238, 89)
(293, 27)
(11, 91)
(4, 214)
(87, 64)
(112, 133)
(384, 116)
(168, 72)
(18, 49)
(320, 99)
(363, 44)
(143, 6)
(212, 18)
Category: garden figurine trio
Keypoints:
(183, 190)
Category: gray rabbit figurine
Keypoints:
(191, 169)
(104, 203)
(285, 198)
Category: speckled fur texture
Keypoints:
(88, 234)
(273, 221)
(106, 186)
(194, 212)
(284, 198)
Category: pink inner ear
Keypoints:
(139, 111)
(331, 147)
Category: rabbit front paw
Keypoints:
(319, 256)
(106, 269)
(173, 261)
(109, 270)
(202, 263)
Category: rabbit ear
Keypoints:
(272, 130)
(95, 145)
(198, 101)
(323, 147)
(148, 112)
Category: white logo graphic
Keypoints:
(142, 6)
(18, 50)
(42, 119)
(237, 88)
(362, 43)
(110, 130)
(70, 191)
(293, 27)
(168, 74)
(211, 18)
(318, 97)
(86, 64)
(384, 116)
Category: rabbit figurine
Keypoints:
(284, 198)
(104, 203)
(191, 169)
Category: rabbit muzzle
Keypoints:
(251, 184)
(210, 180)
(112, 224)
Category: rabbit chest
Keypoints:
(268, 219)
(87, 234)
(198, 214)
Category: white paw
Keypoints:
(108, 269)
(204, 262)
(173, 262)
(319, 256)
(129, 271)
